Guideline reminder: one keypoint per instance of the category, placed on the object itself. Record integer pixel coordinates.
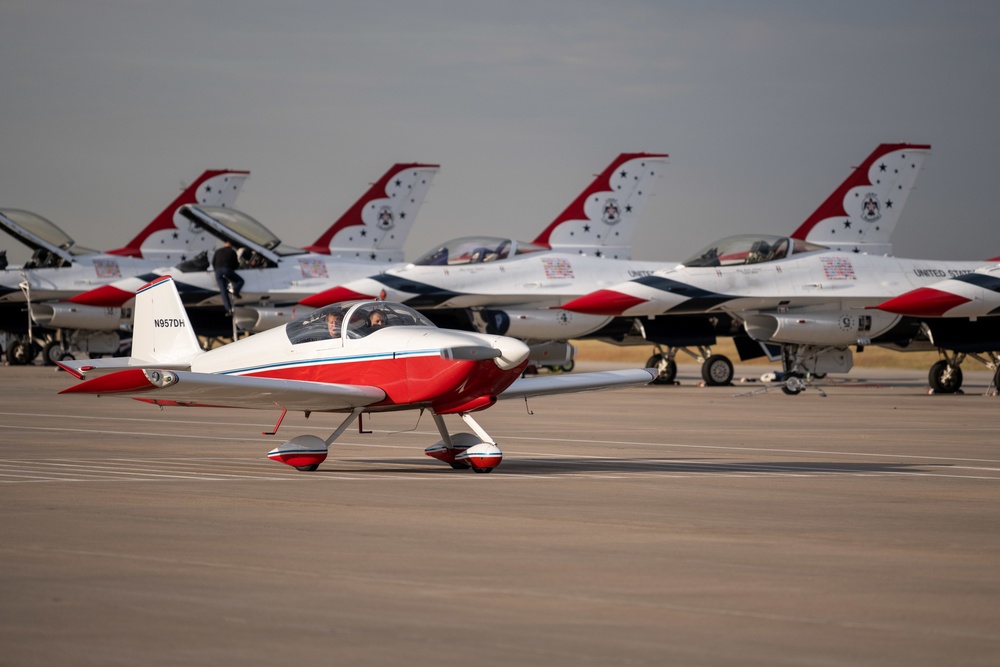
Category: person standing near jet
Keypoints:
(225, 262)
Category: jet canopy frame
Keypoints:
(359, 316)
(476, 250)
(750, 249)
(53, 247)
(243, 231)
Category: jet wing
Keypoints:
(230, 391)
(577, 382)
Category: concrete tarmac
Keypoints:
(649, 526)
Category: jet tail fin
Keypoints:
(171, 238)
(602, 219)
(862, 213)
(376, 226)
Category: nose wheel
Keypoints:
(465, 450)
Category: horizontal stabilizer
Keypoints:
(79, 369)
(578, 382)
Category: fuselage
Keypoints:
(975, 294)
(405, 359)
(86, 273)
(547, 279)
(803, 276)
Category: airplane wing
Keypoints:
(230, 391)
(577, 382)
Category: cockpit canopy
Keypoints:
(42, 236)
(750, 249)
(362, 319)
(476, 249)
(230, 224)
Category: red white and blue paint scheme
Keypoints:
(60, 269)
(502, 285)
(812, 300)
(975, 294)
(339, 359)
(368, 237)
(962, 317)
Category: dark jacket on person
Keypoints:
(225, 258)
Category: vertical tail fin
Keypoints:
(161, 330)
(170, 238)
(602, 219)
(862, 213)
(377, 225)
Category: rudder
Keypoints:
(161, 329)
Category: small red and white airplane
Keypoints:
(353, 357)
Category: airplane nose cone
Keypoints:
(603, 302)
(512, 352)
(923, 302)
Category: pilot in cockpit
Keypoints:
(333, 321)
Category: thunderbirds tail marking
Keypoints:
(377, 225)
(861, 214)
(602, 219)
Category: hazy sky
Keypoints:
(108, 106)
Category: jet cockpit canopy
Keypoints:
(750, 249)
(476, 249)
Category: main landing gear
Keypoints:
(461, 451)
(716, 369)
(945, 375)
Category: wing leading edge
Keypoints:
(578, 382)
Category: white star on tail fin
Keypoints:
(377, 225)
(862, 213)
(602, 219)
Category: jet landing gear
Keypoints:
(461, 451)
(716, 369)
(945, 375)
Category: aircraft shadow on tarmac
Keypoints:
(571, 466)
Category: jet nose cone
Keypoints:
(512, 352)
(333, 295)
(603, 302)
(923, 302)
(105, 296)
